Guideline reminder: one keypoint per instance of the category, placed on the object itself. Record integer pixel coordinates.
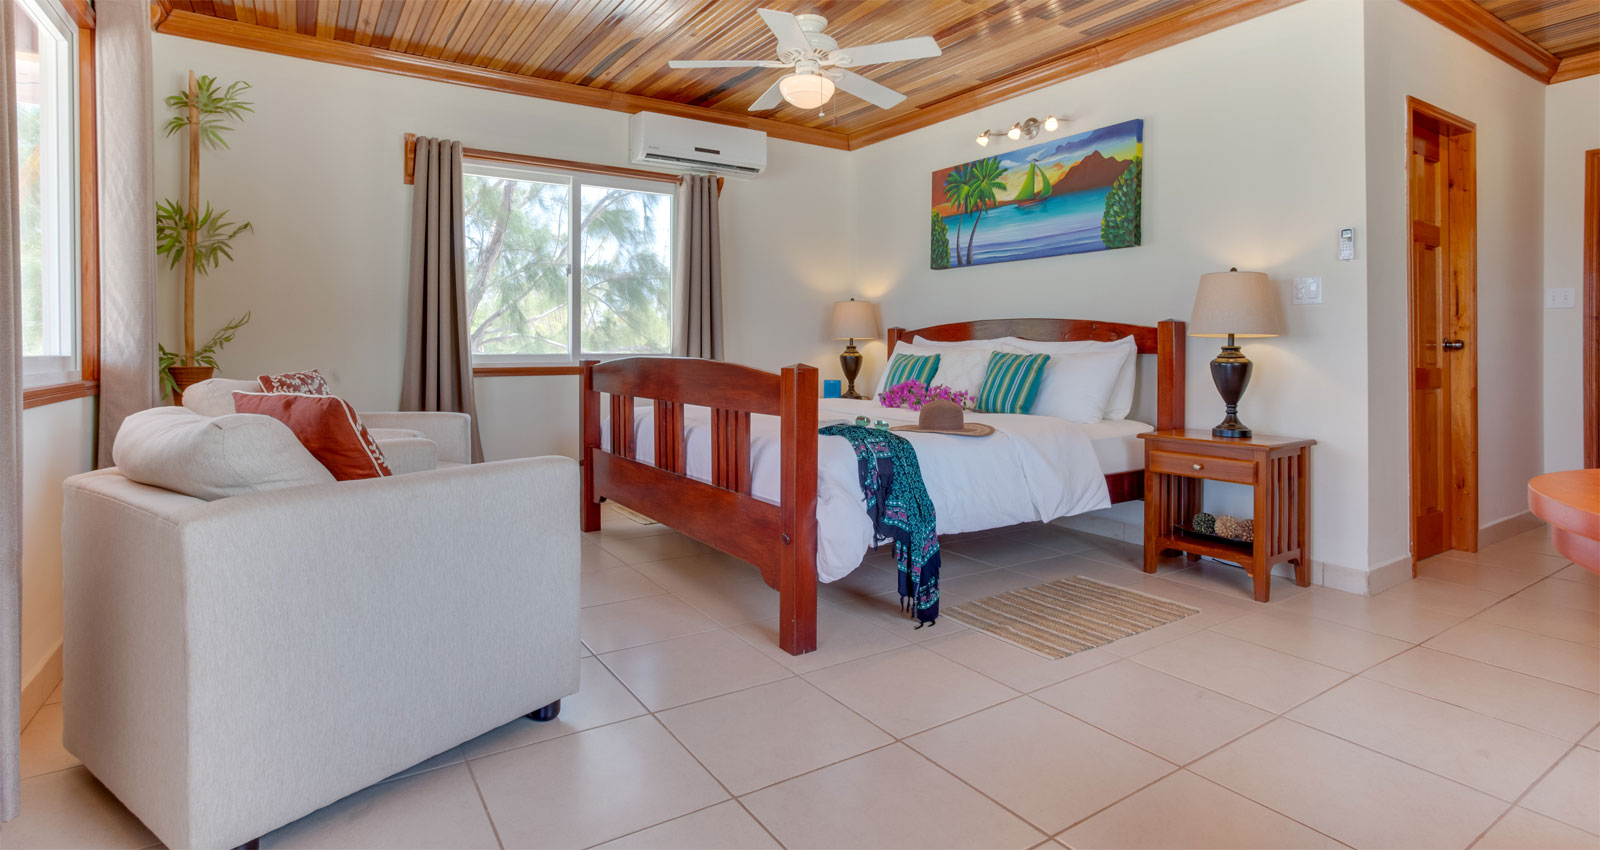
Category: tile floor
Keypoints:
(1457, 710)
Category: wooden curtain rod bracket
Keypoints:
(544, 162)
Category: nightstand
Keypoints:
(1175, 462)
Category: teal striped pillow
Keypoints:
(909, 367)
(1011, 382)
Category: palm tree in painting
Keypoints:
(981, 184)
(955, 193)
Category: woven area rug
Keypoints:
(634, 515)
(1064, 617)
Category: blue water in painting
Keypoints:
(1063, 224)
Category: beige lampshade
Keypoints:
(855, 320)
(1234, 302)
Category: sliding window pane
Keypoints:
(46, 195)
(518, 264)
(626, 298)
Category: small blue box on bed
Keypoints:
(831, 389)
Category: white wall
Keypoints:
(1408, 54)
(1571, 127)
(1253, 158)
(317, 169)
(57, 442)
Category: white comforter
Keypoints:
(1032, 468)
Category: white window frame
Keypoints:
(576, 181)
(58, 190)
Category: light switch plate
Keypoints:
(1560, 298)
(1308, 290)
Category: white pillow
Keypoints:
(1077, 385)
(962, 366)
(1120, 402)
(214, 397)
(213, 458)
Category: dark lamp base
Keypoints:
(850, 364)
(1231, 372)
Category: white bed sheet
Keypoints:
(1033, 468)
(1117, 445)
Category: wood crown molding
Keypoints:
(1479, 26)
(40, 396)
(1574, 67)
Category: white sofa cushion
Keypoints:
(406, 451)
(214, 397)
(213, 457)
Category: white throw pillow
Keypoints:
(213, 458)
(1120, 402)
(1077, 385)
(214, 397)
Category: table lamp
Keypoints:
(853, 320)
(1234, 304)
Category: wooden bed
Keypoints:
(781, 539)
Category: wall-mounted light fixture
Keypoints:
(1028, 129)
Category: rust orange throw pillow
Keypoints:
(309, 382)
(327, 426)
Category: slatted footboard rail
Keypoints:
(780, 539)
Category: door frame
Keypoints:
(1591, 309)
(1459, 248)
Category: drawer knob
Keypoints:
(1197, 466)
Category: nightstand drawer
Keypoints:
(1200, 466)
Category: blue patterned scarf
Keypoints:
(898, 504)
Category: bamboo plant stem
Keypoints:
(193, 214)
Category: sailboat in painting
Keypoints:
(1035, 188)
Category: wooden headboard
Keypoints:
(1165, 340)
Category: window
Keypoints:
(48, 191)
(563, 265)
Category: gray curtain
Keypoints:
(11, 443)
(697, 313)
(126, 100)
(438, 364)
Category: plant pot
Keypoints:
(186, 377)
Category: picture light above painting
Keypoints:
(1064, 196)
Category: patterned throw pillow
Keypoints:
(327, 426)
(1011, 383)
(909, 367)
(309, 383)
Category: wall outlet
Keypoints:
(1560, 298)
(1308, 290)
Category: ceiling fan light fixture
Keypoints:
(807, 91)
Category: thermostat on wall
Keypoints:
(1347, 243)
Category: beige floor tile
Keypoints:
(592, 786)
(1215, 607)
(1184, 810)
(614, 523)
(594, 558)
(600, 587)
(1001, 550)
(756, 737)
(1120, 554)
(1571, 594)
(1571, 793)
(1443, 596)
(682, 670)
(1263, 677)
(454, 755)
(655, 547)
(1011, 665)
(960, 591)
(1174, 719)
(41, 744)
(1521, 829)
(1478, 751)
(1049, 768)
(1068, 566)
(1546, 618)
(1539, 704)
(55, 697)
(1582, 575)
(888, 798)
(619, 625)
(1348, 792)
(1561, 661)
(841, 637)
(1333, 644)
(1397, 618)
(600, 699)
(725, 826)
(907, 690)
(439, 808)
(1135, 644)
(1471, 574)
(1513, 556)
(1053, 537)
(867, 579)
(884, 611)
(1592, 740)
(71, 809)
(725, 589)
(1230, 579)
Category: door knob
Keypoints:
(1454, 344)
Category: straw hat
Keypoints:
(945, 417)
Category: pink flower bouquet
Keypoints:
(912, 395)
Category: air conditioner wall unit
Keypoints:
(684, 144)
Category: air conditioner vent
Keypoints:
(697, 145)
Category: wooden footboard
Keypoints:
(780, 539)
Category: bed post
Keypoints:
(893, 337)
(797, 554)
(1171, 344)
(589, 436)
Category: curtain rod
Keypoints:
(545, 162)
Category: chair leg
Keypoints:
(546, 714)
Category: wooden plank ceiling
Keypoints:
(614, 53)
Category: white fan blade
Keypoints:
(724, 63)
(787, 29)
(768, 99)
(867, 90)
(921, 47)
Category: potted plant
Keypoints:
(198, 238)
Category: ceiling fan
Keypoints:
(817, 63)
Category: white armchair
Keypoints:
(233, 665)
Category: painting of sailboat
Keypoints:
(1063, 196)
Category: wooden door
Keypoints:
(1441, 199)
